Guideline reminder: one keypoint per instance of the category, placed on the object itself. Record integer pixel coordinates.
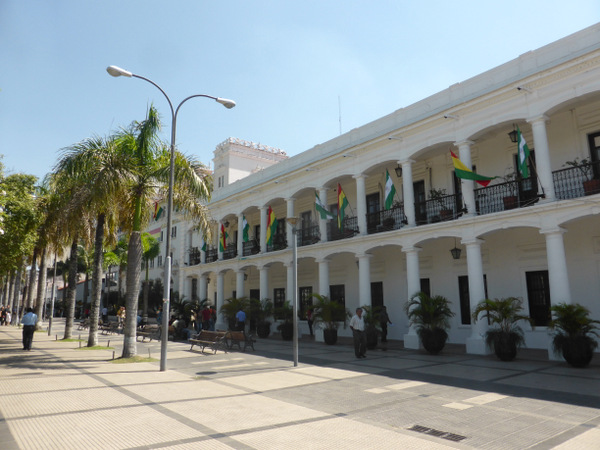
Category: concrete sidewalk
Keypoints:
(59, 396)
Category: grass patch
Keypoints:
(134, 359)
(95, 347)
(72, 340)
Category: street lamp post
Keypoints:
(293, 221)
(117, 72)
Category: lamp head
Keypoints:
(117, 72)
(226, 102)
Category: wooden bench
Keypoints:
(216, 340)
(84, 325)
(150, 332)
(110, 328)
(238, 338)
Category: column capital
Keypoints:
(472, 241)
(364, 256)
(290, 199)
(537, 119)
(553, 230)
(359, 176)
(322, 260)
(463, 143)
(411, 249)
(406, 162)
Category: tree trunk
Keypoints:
(31, 286)
(11, 288)
(134, 261)
(96, 282)
(41, 289)
(71, 291)
(16, 295)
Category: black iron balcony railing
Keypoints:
(279, 242)
(308, 234)
(252, 247)
(386, 220)
(194, 253)
(447, 207)
(349, 229)
(577, 181)
(231, 251)
(212, 255)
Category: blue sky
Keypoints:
(285, 63)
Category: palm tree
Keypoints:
(151, 178)
(151, 248)
(99, 173)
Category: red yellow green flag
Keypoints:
(271, 225)
(465, 173)
(222, 239)
(342, 203)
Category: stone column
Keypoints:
(202, 287)
(361, 203)
(408, 192)
(364, 279)
(467, 186)
(413, 282)
(221, 322)
(542, 156)
(264, 282)
(290, 213)
(263, 228)
(476, 342)
(557, 265)
(240, 237)
(239, 283)
(323, 222)
(323, 276)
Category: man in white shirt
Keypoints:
(28, 321)
(357, 325)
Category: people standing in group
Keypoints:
(384, 319)
(357, 325)
(206, 316)
(28, 321)
(240, 320)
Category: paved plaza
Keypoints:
(58, 396)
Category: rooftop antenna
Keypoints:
(340, 113)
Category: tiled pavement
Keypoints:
(58, 396)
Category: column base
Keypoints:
(319, 335)
(477, 346)
(412, 341)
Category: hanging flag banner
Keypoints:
(322, 208)
(245, 229)
(390, 190)
(523, 155)
(271, 225)
(463, 172)
(342, 203)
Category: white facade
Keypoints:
(545, 250)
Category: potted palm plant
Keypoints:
(231, 307)
(285, 313)
(371, 319)
(507, 336)
(573, 330)
(328, 314)
(262, 310)
(431, 316)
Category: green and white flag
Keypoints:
(390, 190)
(245, 229)
(523, 155)
(322, 209)
(203, 245)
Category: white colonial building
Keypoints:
(536, 238)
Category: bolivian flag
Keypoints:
(222, 239)
(271, 225)
(342, 203)
(465, 173)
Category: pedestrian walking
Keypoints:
(28, 321)
(384, 319)
(310, 321)
(357, 325)
(240, 320)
